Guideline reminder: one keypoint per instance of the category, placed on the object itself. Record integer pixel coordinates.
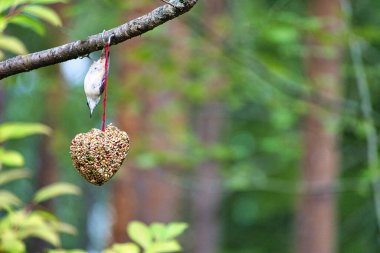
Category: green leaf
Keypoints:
(174, 229)
(47, 236)
(139, 233)
(163, 247)
(17, 130)
(36, 225)
(13, 219)
(11, 175)
(29, 23)
(10, 243)
(7, 200)
(6, 4)
(158, 231)
(44, 233)
(55, 190)
(48, 216)
(12, 44)
(65, 228)
(43, 13)
(3, 24)
(123, 248)
(11, 158)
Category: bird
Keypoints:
(94, 82)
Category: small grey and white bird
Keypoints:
(94, 82)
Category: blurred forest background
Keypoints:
(253, 121)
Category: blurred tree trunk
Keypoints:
(46, 174)
(47, 169)
(316, 222)
(146, 195)
(207, 192)
(209, 122)
(52, 97)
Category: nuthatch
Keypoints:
(94, 82)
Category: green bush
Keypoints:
(20, 221)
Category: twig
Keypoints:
(370, 129)
(93, 43)
(366, 107)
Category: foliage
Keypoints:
(20, 221)
(156, 238)
(28, 14)
(14, 130)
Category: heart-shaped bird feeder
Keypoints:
(98, 155)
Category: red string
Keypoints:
(107, 48)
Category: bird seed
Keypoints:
(98, 155)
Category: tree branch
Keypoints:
(73, 50)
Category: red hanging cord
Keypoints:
(107, 48)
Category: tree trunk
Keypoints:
(316, 222)
(209, 122)
(146, 195)
(47, 169)
(207, 187)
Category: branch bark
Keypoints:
(73, 50)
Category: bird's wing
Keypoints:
(105, 74)
(101, 89)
